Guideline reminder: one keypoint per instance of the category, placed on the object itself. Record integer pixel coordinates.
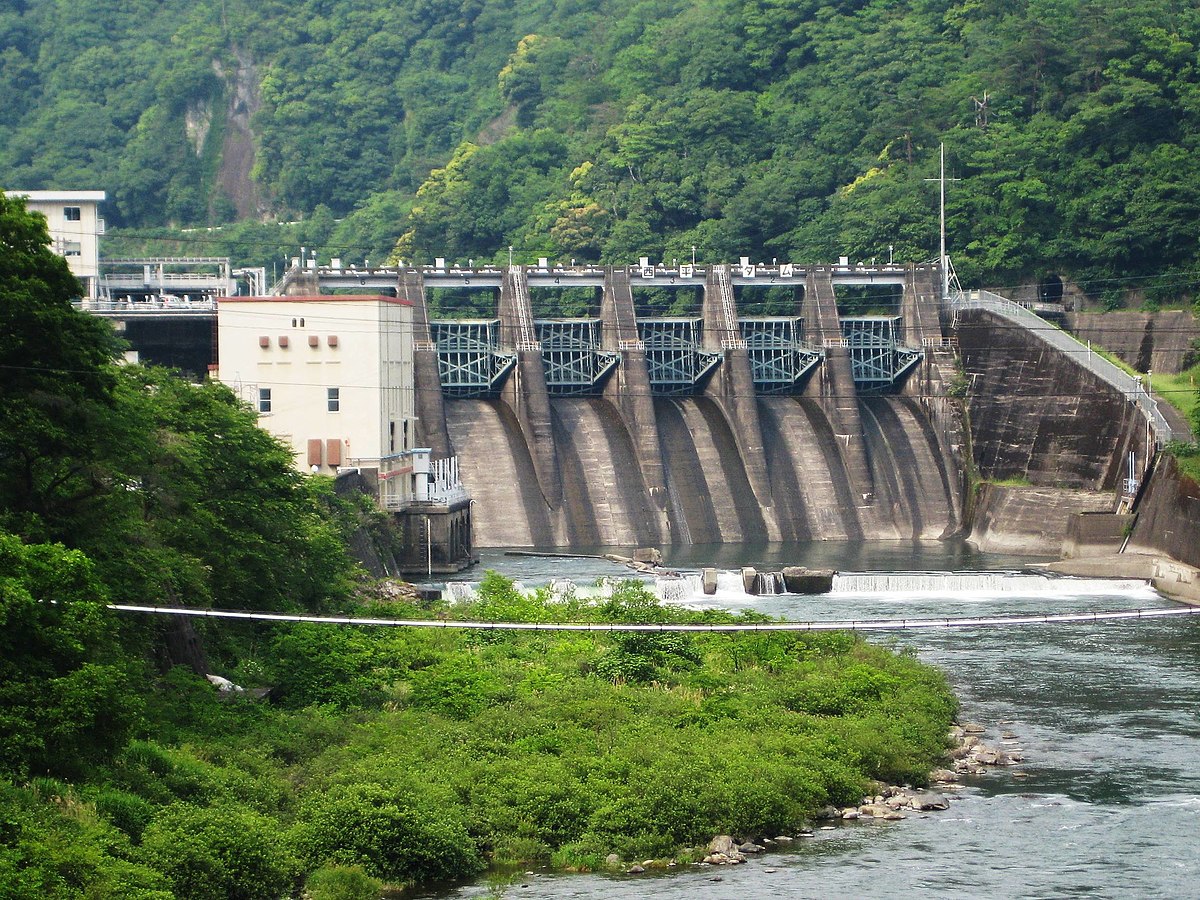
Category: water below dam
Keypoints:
(1108, 717)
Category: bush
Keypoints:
(53, 846)
(457, 688)
(342, 883)
(389, 832)
(217, 853)
(129, 812)
(322, 664)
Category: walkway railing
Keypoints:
(1132, 387)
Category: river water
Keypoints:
(1107, 714)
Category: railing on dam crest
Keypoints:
(1131, 386)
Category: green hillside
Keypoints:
(612, 129)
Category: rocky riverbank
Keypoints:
(969, 755)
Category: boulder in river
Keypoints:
(926, 800)
(722, 843)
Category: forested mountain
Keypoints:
(611, 129)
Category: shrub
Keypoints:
(129, 812)
(457, 688)
(220, 852)
(342, 883)
(53, 846)
(389, 832)
(321, 664)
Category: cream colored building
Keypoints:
(75, 226)
(333, 377)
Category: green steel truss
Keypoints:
(469, 364)
(575, 365)
(877, 358)
(674, 356)
(779, 358)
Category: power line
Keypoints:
(1085, 618)
(1007, 396)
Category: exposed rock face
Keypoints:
(237, 152)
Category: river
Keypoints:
(1108, 717)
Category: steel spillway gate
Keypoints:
(575, 364)
(779, 357)
(674, 355)
(877, 358)
(469, 363)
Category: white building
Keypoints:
(333, 377)
(75, 227)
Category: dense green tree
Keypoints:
(219, 852)
(57, 391)
(66, 693)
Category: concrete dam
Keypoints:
(628, 427)
(706, 495)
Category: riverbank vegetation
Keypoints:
(427, 754)
(357, 756)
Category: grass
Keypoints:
(1015, 481)
(1179, 390)
(1187, 457)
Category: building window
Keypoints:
(334, 399)
(72, 213)
(391, 437)
(264, 400)
(72, 248)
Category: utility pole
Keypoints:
(942, 259)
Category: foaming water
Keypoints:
(1107, 716)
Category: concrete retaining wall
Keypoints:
(1157, 342)
(1030, 520)
(1091, 534)
(1037, 415)
(1168, 516)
